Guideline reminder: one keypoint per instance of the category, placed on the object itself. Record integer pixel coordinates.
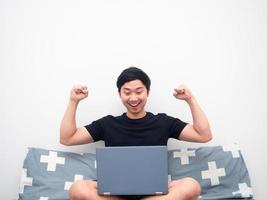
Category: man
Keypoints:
(133, 128)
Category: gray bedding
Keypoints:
(221, 171)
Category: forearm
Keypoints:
(68, 123)
(200, 121)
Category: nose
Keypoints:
(133, 97)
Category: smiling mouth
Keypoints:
(134, 105)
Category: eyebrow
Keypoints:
(128, 89)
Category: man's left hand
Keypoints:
(182, 92)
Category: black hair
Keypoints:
(133, 73)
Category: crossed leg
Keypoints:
(87, 190)
(183, 189)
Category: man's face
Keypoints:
(134, 97)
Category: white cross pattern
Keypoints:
(52, 160)
(234, 148)
(184, 155)
(25, 181)
(43, 198)
(244, 190)
(77, 177)
(213, 173)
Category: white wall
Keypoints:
(217, 48)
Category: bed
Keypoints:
(221, 171)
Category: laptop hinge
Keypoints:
(106, 193)
(158, 193)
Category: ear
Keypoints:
(119, 93)
(148, 92)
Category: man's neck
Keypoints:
(137, 115)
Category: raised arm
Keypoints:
(200, 130)
(69, 133)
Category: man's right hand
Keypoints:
(69, 133)
(78, 93)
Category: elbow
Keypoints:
(64, 138)
(207, 138)
(204, 135)
(64, 141)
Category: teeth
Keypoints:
(133, 104)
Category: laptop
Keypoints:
(132, 170)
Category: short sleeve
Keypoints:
(96, 129)
(176, 127)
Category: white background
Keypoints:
(217, 48)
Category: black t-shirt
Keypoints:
(147, 131)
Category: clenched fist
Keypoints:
(78, 93)
(182, 92)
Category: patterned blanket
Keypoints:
(221, 171)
